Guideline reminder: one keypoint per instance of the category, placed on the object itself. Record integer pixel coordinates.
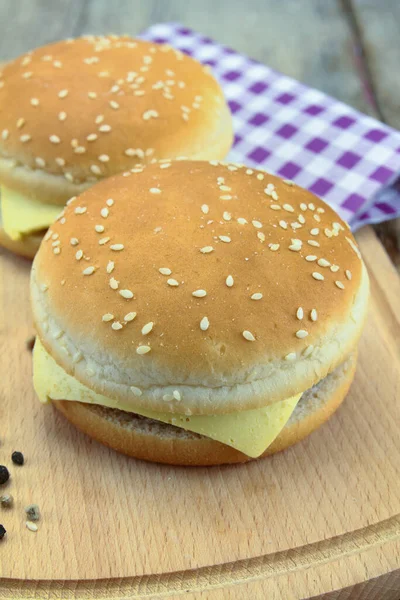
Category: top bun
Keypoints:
(229, 286)
(77, 111)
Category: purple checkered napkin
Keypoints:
(349, 159)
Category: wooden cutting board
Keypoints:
(320, 517)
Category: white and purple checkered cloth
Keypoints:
(347, 158)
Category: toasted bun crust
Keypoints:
(157, 442)
(214, 370)
(27, 246)
(77, 111)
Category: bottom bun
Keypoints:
(154, 441)
(26, 246)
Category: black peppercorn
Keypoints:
(17, 458)
(2, 532)
(4, 474)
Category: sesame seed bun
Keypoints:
(77, 111)
(199, 288)
(158, 442)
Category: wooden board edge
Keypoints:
(207, 578)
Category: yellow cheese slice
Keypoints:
(20, 215)
(250, 431)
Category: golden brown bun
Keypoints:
(27, 246)
(77, 111)
(157, 442)
(215, 370)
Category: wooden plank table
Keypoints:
(347, 48)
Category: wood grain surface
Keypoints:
(318, 520)
(320, 516)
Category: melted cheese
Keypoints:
(250, 431)
(21, 216)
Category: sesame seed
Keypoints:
(31, 526)
(116, 325)
(88, 271)
(104, 240)
(165, 166)
(311, 206)
(54, 139)
(113, 283)
(317, 218)
(126, 294)
(155, 190)
(99, 228)
(20, 123)
(328, 233)
(107, 317)
(74, 241)
(27, 74)
(301, 333)
(274, 195)
(130, 316)
(25, 138)
(311, 258)
(225, 197)
(80, 210)
(225, 188)
(204, 324)
(320, 210)
(229, 281)
(136, 391)
(241, 221)
(92, 95)
(117, 247)
(199, 293)
(283, 224)
(249, 172)
(149, 114)
(5, 134)
(313, 243)
(275, 207)
(301, 219)
(257, 224)
(57, 250)
(290, 356)
(288, 182)
(288, 208)
(172, 282)
(303, 206)
(63, 94)
(57, 64)
(261, 236)
(348, 274)
(77, 357)
(314, 231)
(40, 162)
(295, 225)
(300, 313)
(224, 238)
(334, 268)
(95, 169)
(79, 255)
(205, 209)
(143, 349)
(60, 162)
(308, 350)
(248, 336)
(104, 158)
(91, 137)
(260, 176)
(323, 262)
(206, 249)
(114, 89)
(339, 284)
(110, 266)
(165, 271)
(296, 245)
(274, 247)
(99, 119)
(56, 243)
(80, 150)
(256, 296)
(105, 128)
(313, 315)
(34, 101)
(318, 276)
(147, 328)
(176, 394)
(114, 105)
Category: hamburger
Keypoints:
(197, 313)
(77, 111)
